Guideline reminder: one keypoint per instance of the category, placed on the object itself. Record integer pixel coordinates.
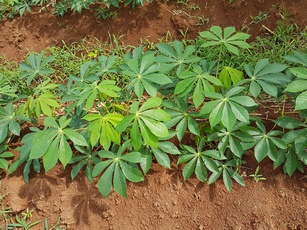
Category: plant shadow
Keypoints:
(87, 201)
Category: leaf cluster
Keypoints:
(117, 114)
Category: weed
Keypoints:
(256, 176)
(261, 17)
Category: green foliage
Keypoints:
(177, 56)
(86, 158)
(229, 108)
(265, 77)
(295, 153)
(257, 177)
(3, 155)
(116, 114)
(35, 67)
(225, 39)
(160, 154)
(41, 101)
(199, 161)
(146, 120)
(52, 144)
(266, 143)
(117, 167)
(198, 80)
(299, 85)
(230, 76)
(181, 116)
(9, 122)
(102, 128)
(145, 74)
(228, 173)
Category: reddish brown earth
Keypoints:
(164, 200)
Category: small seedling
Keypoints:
(257, 177)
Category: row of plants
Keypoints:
(103, 8)
(120, 113)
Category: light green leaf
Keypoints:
(157, 128)
(151, 103)
(301, 101)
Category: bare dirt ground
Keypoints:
(164, 200)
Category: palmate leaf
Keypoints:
(117, 169)
(265, 76)
(53, 141)
(102, 128)
(228, 109)
(198, 161)
(198, 81)
(216, 37)
(230, 76)
(147, 121)
(176, 55)
(145, 75)
(35, 66)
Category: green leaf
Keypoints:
(157, 128)
(189, 169)
(228, 117)
(75, 137)
(134, 157)
(161, 157)
(105, 181)
(261, 150)
(136, 137)
(210, 164)
(51, 122)
(14, 127)
(131, 173)
(297, 86)
(100, 167)
(216, 114)
(4, 164)
(156, 114)
(151, 103)
(299, 72)
(76, 169)
(255, 89)
(227, 180)
(169, 147)
(146, 162)
(41, 142)
(214, 176)
(200, 171)
(65, 152)
(291, 163)
(124, 123)
(239, 112)
(119, 182)
(238, 178)
(3, 132)
(301, 101)
(51, 156)
(235, 147)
